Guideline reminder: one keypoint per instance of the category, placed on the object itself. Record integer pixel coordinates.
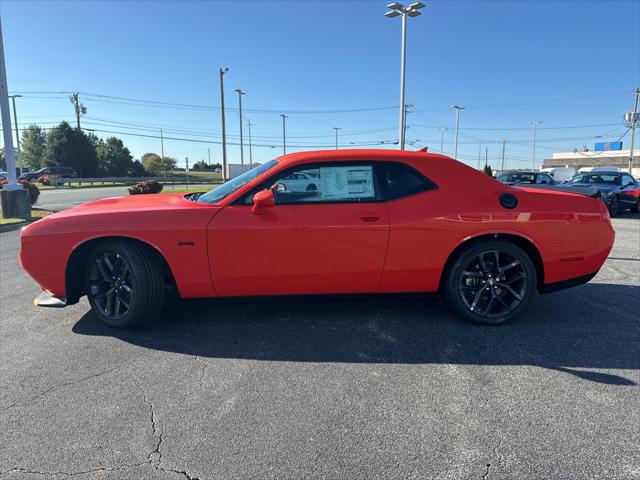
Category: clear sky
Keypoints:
(566, 63)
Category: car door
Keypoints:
(329, 240)
(629, 192)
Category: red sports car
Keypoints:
(376, 221)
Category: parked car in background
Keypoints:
(525, 177)
(383, 221)
(60, 172)
(301, 182)
(618, 190)
(4, 176)
(560, 174)
(599, 169)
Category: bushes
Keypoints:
(34, 191)
(48, 180)
(148, 186)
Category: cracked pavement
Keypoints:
(353, 388)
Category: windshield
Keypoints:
(226, 189)
(517, 177)
(609, 179)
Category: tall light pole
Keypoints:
(284, 134)
(631, 119)
(224, 131)
(337, 129)
(250, 148)
(442, 130)
(6, 124)
(504, 143)
(457, 108)
(162, 143)
(412, 10)
(15, 121)
(240, 93)
(533, 146)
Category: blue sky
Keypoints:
(566, 63)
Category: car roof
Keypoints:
(355, 154)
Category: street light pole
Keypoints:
(457, 108)
(250, 148)
(284, 134)
(240, 93)
(396, 9)
(6, 124)
(15, 121)
(162, 143)
(504, 143)
(533, 147)
(442, 130)
(337, 129)
(224, 131)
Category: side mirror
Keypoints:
(261, 201)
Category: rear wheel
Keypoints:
(124, 283)
(636, 206)
(490, 282)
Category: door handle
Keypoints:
(370, 218)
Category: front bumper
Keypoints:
(46, 299)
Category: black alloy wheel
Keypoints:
(491, 282)
(124, 283)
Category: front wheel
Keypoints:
(490, 282)
(124, 283)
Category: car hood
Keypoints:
(143, 202)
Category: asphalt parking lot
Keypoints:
(354, 388)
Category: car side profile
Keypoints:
(379, 221)
(618, 190)
(62, 172)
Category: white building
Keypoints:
(609, 158)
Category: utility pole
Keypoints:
(79, 108)
(486, 156)
(224, 131)
(15, 121)
(284, 134)
(250, 146)
(457, 109)
(162, 143)
(504, 143)
(186, 163)
(240, 93)
(479, 155)
(412, 10)
(337, 129)
(631, 119)
(533, 148)
(6, 125)
(442, 130)
(209, 156)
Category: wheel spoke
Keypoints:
(472, 274)
(108, 263)
(476, 298)
(512, 291)
(487, 310)
(116, 308)
(108, 301)
(102, 271)
(515, 263)
(511, 280)
(483, 265)
(497, 255)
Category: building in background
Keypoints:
(618, 159)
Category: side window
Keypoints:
(328, 184)
(400, 180)
(543, 178)
(627, 180)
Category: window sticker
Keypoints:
(347, 182)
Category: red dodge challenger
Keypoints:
(365, 221)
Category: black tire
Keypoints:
(636, 206)
(124, 283)
(614, 207)
(312, 187)
(492, 293)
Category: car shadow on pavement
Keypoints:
(594, 326)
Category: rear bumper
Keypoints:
(564, 284)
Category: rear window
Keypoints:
(400, 180)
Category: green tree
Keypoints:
(488, 171)
(70, 147)
(157, 165)
(114, 158)
(34, 146)
(137, 169)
